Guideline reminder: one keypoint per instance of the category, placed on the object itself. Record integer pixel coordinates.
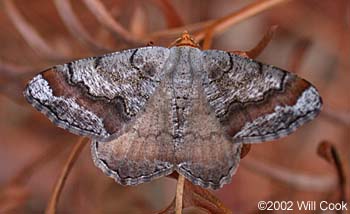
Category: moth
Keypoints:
(153, 110)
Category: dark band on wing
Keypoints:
(111, 111)
(238, 113)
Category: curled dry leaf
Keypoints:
(328, 151)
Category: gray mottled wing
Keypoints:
(206, 156)
(97, 97)
(145, 151)
(255, 102)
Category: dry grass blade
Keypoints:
(225, 22)
(328, 151)
(172, 18)
(105, 18)
(52, 204)
(303, 182)
(74, 26)
(29, 34)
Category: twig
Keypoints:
(303, 182)
(225, 22)
(104, 17)
(74, 26)
(179, 194)
(170, 33)
(220, 24)
(52, 204)
(29, 34)
(196, 196)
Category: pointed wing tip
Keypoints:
(35, 92)
(309, 105)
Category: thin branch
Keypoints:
(173, 32)
(74, 26)
(220, 24)
(179, 194)
(227, 21)
(317, 183)
(29, 34)
(52, 204)
(196, 196)
(104, 17)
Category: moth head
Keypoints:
(185, 40)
